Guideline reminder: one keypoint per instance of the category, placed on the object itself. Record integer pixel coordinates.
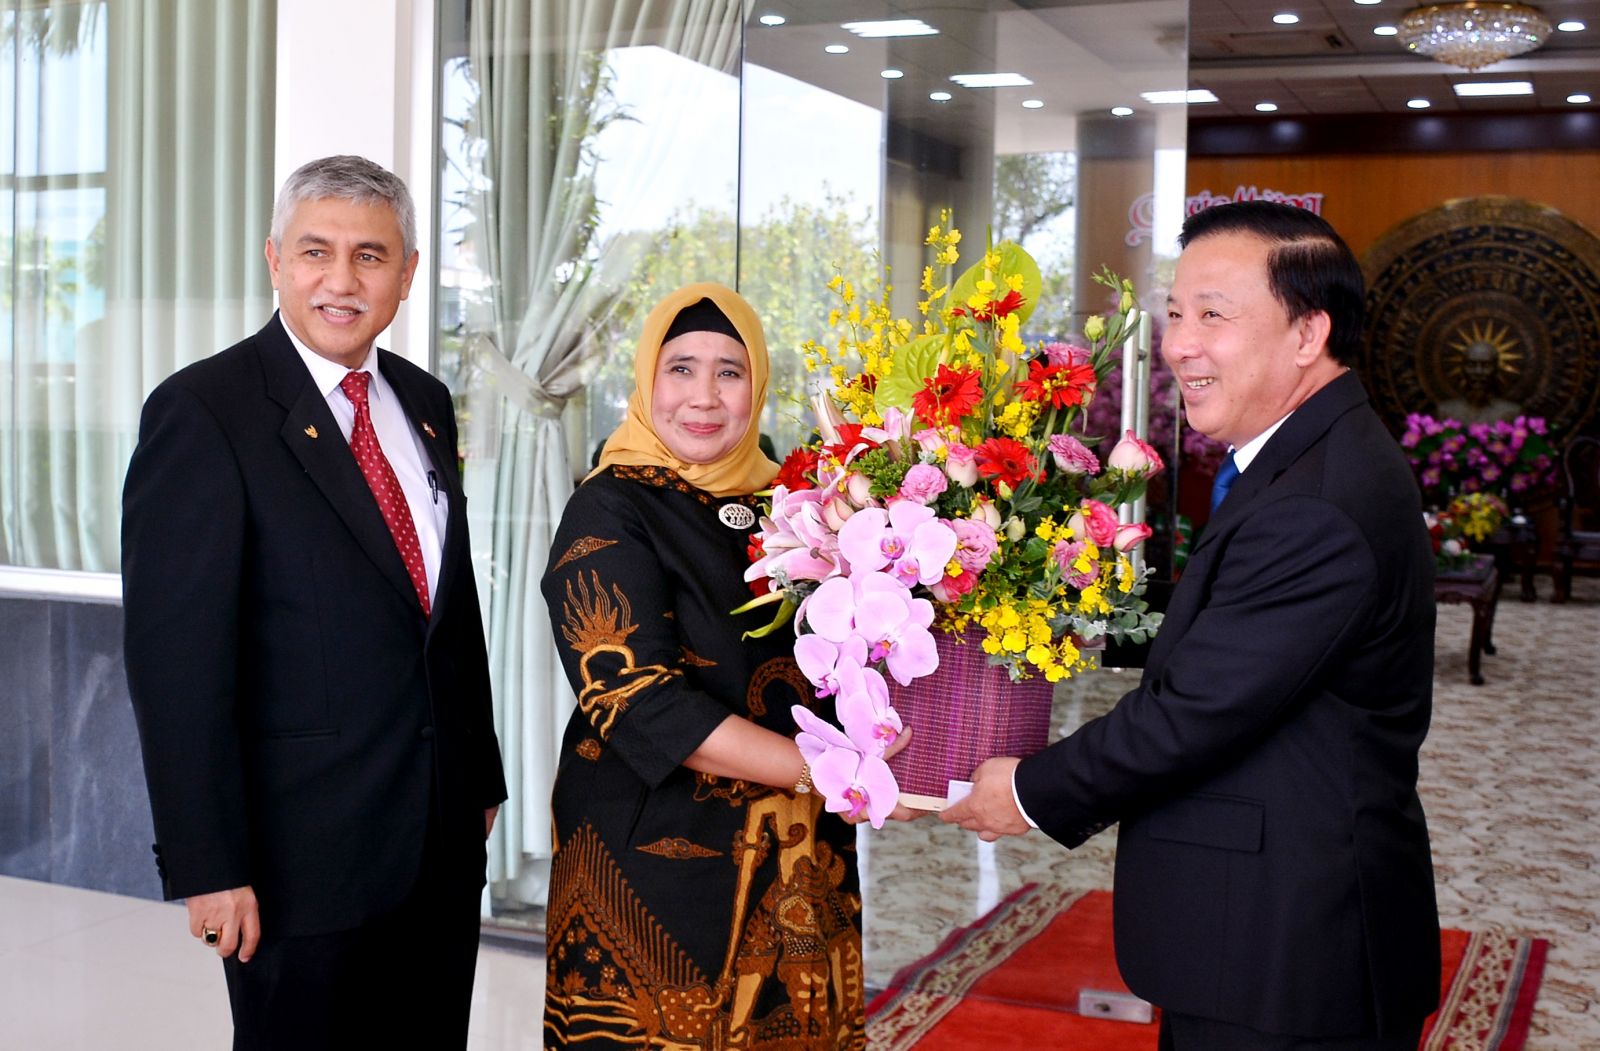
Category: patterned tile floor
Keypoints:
(1510, 780)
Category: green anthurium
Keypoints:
(914, 363)
(1013, 260)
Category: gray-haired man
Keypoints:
(304, 648)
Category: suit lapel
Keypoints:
(1304, 427)
(313, 436)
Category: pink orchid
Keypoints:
(817, 736)
(864, 710)
(907, 538)
(853, 782)
(879, 609)
(826, 663)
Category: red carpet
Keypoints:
(1011, 980)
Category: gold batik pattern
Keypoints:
(792, 978)
(597, 625)
(678, 849)
(581, 548)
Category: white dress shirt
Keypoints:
(430, 508)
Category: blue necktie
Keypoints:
(1226, 474)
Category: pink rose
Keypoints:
(949, 589)
(923, 483)
(984, 511)
(859, 489)
(1096, 521)
(929, 440)
(1072, 456)
(1135, 456)
(1059, 354)
(975, 544)
(1131, 535)
(961, 464)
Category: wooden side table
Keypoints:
(1478, 585)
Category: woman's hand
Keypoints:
(901, 812)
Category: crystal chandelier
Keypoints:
(1472, 34)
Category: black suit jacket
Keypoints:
(1272, 862)
(299, 715)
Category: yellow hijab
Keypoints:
(744, 469)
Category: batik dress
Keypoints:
(685, 910)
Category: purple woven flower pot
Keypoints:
(962, 714)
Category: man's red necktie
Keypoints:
(384, 485)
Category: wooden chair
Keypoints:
(1577, 550)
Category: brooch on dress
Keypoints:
(736, 516)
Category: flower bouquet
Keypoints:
(950, 526)
(1506, 458)
(1468, 520)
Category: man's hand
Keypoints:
(990, 809)
(234, 915)
(488, 820)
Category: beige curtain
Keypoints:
(539, 69)
(161, 151)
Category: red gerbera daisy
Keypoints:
(948, 396)
(1006, 460)
(796, 469)
(1060, 385)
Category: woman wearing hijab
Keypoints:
(699, 896)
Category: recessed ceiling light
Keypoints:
(837, 49)
(773, 20)
(1266, 107)
(1368, 3)
(1571, 25)
(1033, 104)
(1194, 96)
(940, 96)
(1418, 103)
(1122, 111)
(1384, 31)
(1286, 19)
(991, 80)
(1578, 98)
(891, 27)
(892, 74)
(1483, 90)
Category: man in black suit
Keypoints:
(1274, 888)
(305, 651)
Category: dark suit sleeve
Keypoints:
(1294, 583)
(182, 545)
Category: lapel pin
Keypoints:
(311, 432)
(428, 429)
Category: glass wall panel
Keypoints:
(133, 203)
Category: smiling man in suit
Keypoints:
(304, 646)
(1274, 889)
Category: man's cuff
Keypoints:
(1018, 801)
